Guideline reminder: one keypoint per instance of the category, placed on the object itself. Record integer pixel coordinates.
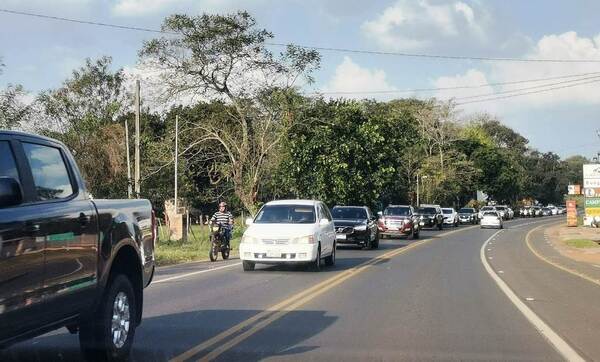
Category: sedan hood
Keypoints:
(280, 231)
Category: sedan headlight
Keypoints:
(247, 239)
(360, 227)
(308, 239)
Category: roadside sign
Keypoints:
(591, 184)
(571, 213)
(574, 189)
(591, 192)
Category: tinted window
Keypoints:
(349, 213)
(447, 211)
(490, 213)
(466, 211)
(487, 208)
(286, 214)
(49, 172)
(500, 208)
(428, 210)
(397, 211)
(8, 166)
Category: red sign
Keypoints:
(571, 213)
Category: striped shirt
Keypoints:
(224, 218)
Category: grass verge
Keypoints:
(582, 243)
(196, 248)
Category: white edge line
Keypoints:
(561, 346)
(194, 273)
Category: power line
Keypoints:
(527, 93)
(329, 49)
(456, 87)
(527, 88)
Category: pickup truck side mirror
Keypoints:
(10, 192)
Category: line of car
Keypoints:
(307, 232)
(539, 210)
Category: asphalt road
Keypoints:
(410, 300)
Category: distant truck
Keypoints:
(67, 260)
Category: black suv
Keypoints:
(430, 216)
(355, 225)
(468, 215)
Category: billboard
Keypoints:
(591, 185)
(571, 213)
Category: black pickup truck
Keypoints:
(67, 260)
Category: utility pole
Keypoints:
(128, 161)
(417, 190)
(137, 138)
(176, 156)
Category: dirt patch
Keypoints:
(558, 235)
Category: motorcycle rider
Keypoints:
(225, 218)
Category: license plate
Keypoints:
(273, 254)
(341, 236)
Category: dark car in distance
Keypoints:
(355, 225)
(399, 220)
(430, 216)
(67, 260)
(468, 215)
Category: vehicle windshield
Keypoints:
(427, 210)
(396, 211)
(447, 211)
(490, 213)
(485, 208)
(501, 208)
(286, 214)
(466, 211)
(349, 213)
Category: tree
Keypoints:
(82, 114)
(225, 58)
(13, 110)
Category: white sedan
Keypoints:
(491, 219)
(450, 216)
(289, 232)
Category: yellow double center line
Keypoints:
(254, 324)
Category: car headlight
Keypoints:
(247, 239)
(360, 227)
(308, 239)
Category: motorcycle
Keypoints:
(218, 244)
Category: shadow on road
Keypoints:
(163, 337)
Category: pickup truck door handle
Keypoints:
(31, 228)
(83, 219)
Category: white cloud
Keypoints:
(567, 46)
(142, 7)
(351, 77)
(410, 25)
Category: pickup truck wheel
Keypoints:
(108, 335)
(248, 265)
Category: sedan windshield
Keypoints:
(466, 211)
(286, 214)
(427, 210)
(486, 208)
(396, 211)
(447, 211)
(349, 213)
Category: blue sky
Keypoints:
(40, 53)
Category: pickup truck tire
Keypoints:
(248, 265)
(108, 334)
